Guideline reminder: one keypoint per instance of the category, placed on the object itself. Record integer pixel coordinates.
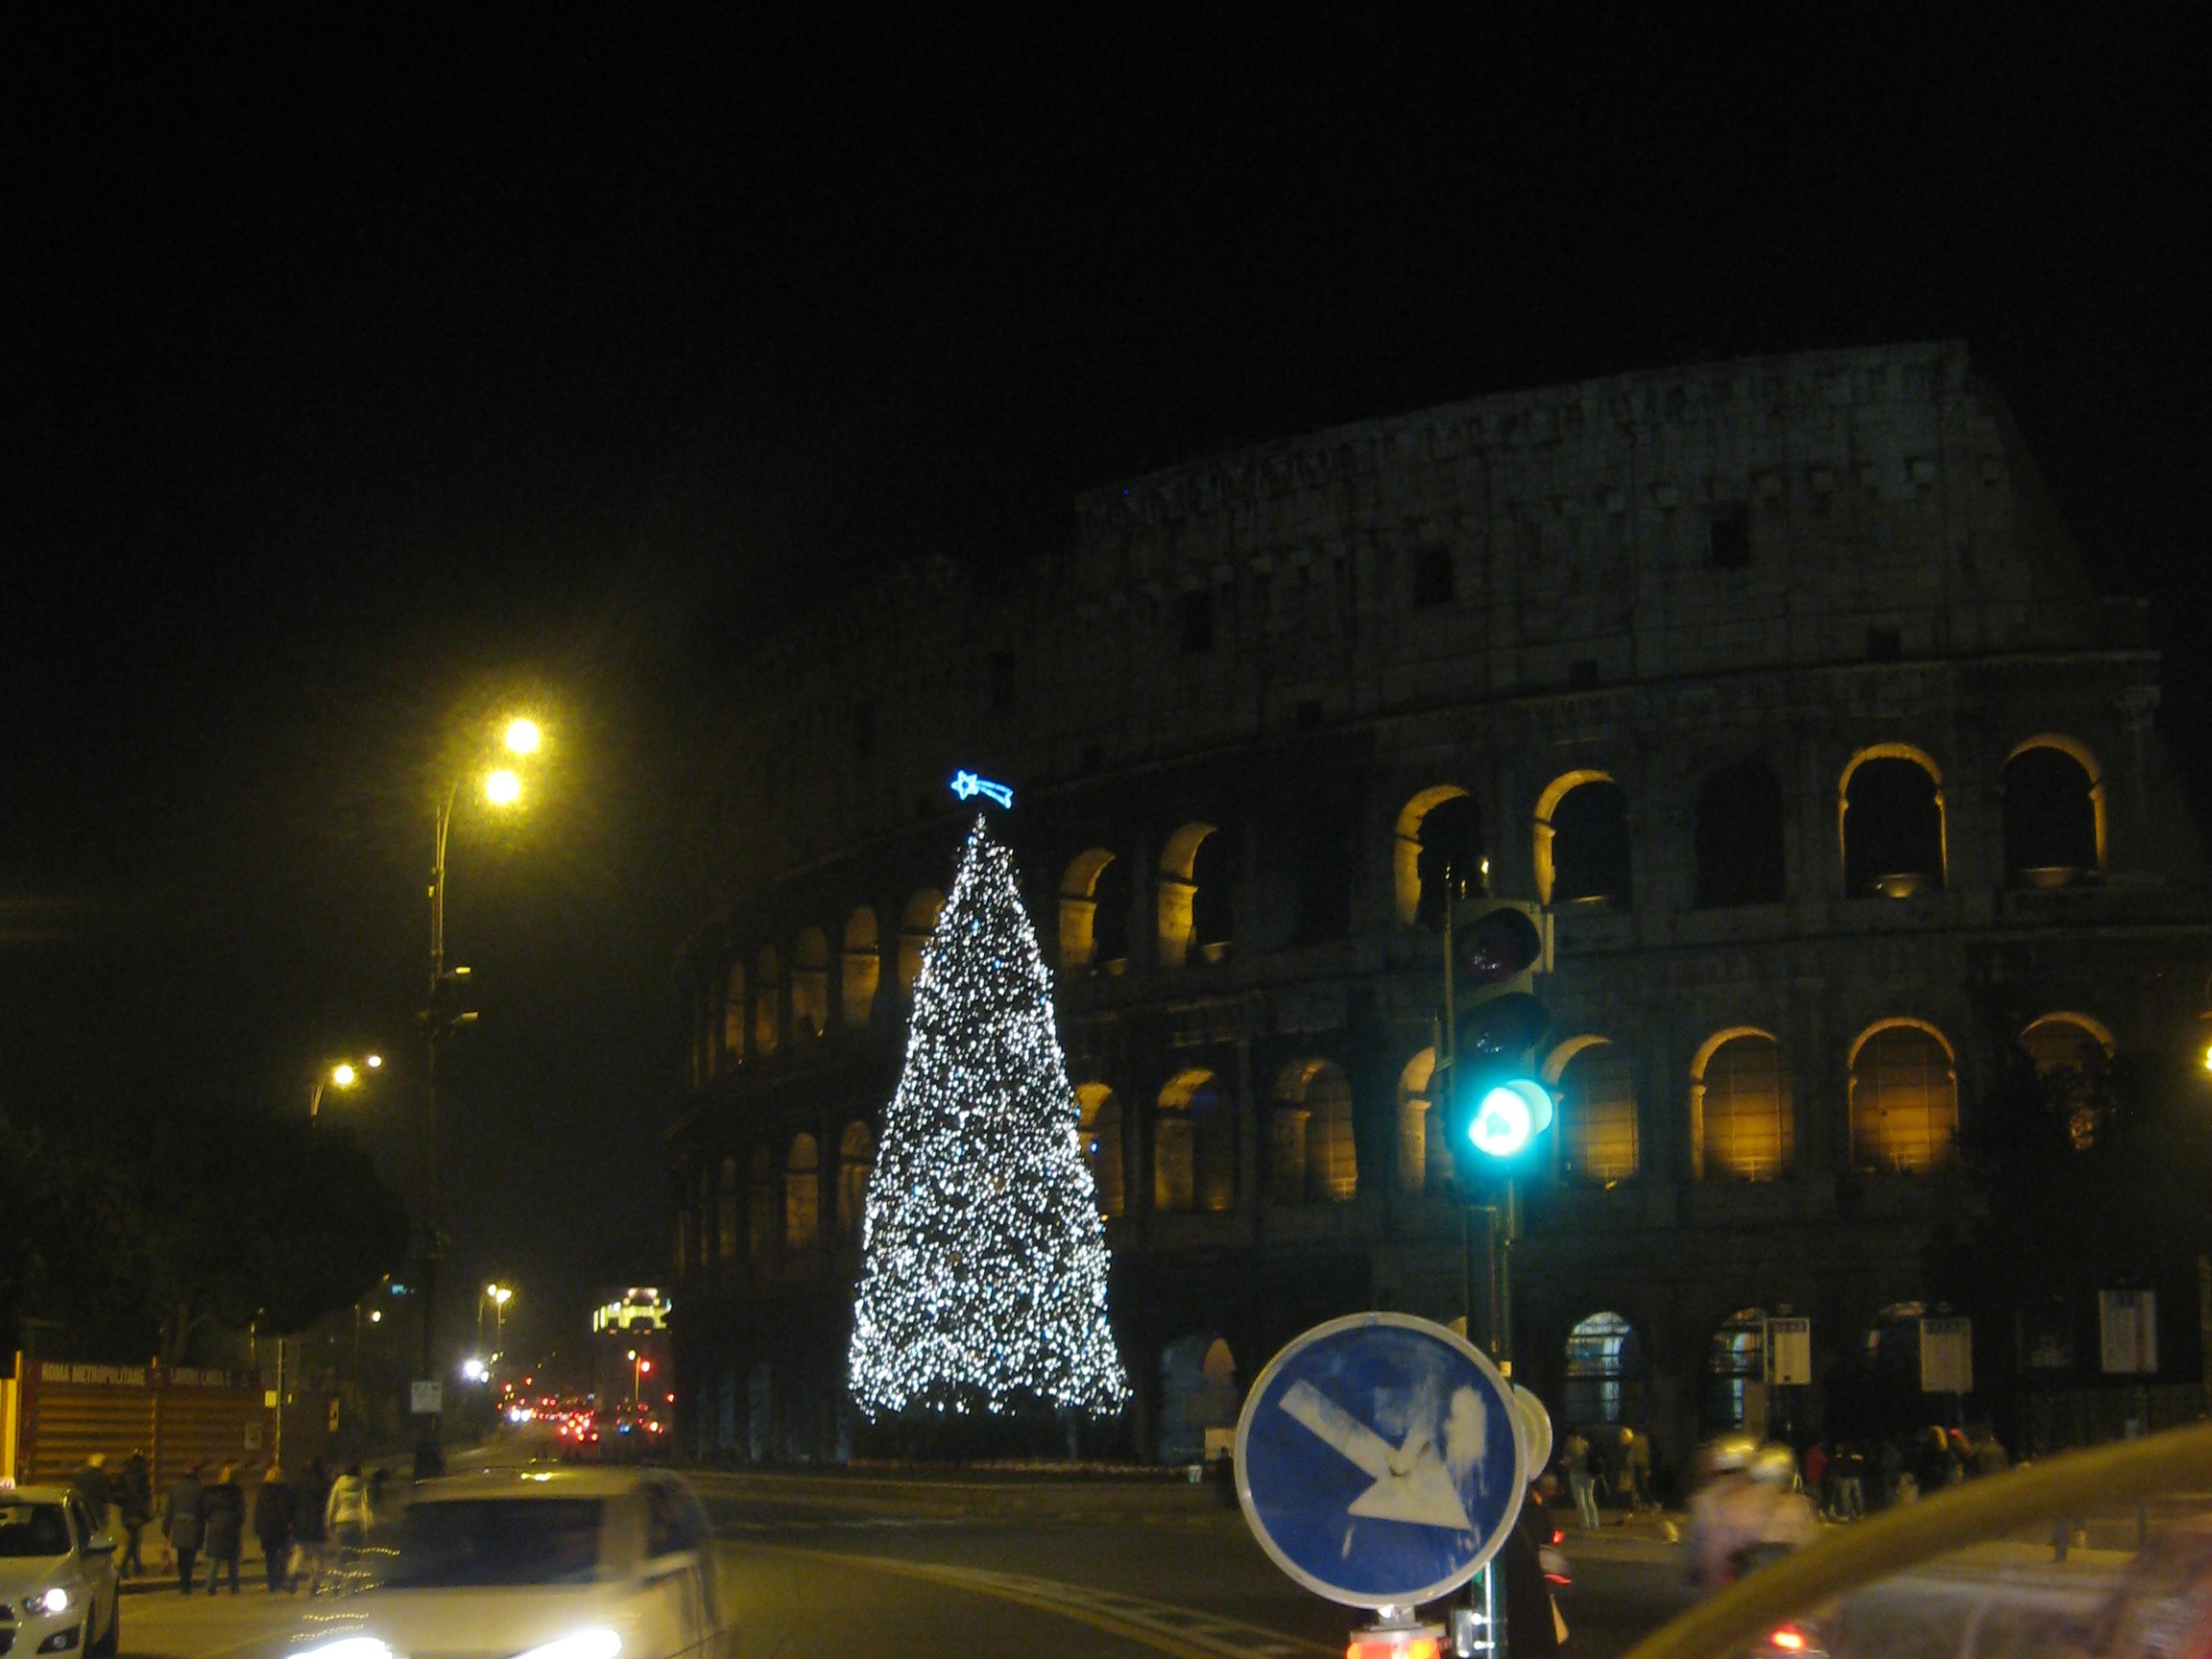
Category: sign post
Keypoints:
(1381, 1462)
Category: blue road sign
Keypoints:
(1379, 1461)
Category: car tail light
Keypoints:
(1789, 1638)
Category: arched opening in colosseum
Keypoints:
(1197, 1393)
(811, 983)
(2053, 813)
(1582, 841)
(763, 1207)
(803, 1194)
(2072, 1055)
(862, 971)
(1417, 1152)
(1311, 1155)
(1437, 852)
(2067, 1042)
(1196, 894)
(1194, 1145)
(1098, 1113)
(1604, 1374)
(1737, 1360)
(1904, 1091)
(1742, 1113)
(1889, 813)
(916, 922)
(855, 1163)
(1095, 914)
(1598, 1138)
(767, 993)
(1739, 837)
(733, 1012)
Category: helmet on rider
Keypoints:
(1729, 1454)
(1773, 1465)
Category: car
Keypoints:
(1984, 1570)
(58, 1592)
(537, 1563)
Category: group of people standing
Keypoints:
(311, 1529)
(1621, 1473)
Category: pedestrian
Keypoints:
(1816, 1475)
(1850, 1472)
(1581, 1481)
(1990, 1457)
(134, 1502)
(226, 1527)
(184, 1524)
(273, 1525)
(1637, 1456)
(92, 1488)
(309, 1530)
(1933, 1468)
(346, 1513)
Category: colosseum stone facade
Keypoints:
(1776, 681)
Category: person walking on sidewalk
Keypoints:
(184, 1524)
(346, 1516)
(273, 1525)
(94, 1490)
(226, 1527)
(134, 1504)
(1582, 1481)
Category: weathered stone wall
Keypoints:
(1238, 643)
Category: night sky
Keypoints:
(367, 370)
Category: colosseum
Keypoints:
(1775, 681)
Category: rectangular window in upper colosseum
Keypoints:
(1433, 577)
(1198, 621)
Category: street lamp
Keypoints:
(499, 1295)
(638, 1366)
(502, 787)
(345, 1074)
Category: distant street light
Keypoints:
(498, 1296)
(501, 788)
(342, 1076)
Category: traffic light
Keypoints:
(1495, 1104)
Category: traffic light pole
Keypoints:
(1487, 1592)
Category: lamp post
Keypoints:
(345, 1074)
(502, 787)
(498, 1296)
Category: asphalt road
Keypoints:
(853, 1575)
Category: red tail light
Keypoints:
(1789, 1639)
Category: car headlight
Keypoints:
(48, 1603)
(596, 1642)
(347, 1648)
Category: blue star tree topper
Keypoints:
(983, 1267)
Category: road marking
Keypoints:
(1183, 1632)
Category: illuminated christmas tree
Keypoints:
(983, 1268)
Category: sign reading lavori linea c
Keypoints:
(1379, 1461)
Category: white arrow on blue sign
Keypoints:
(1379, 1461)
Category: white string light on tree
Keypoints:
(983, 1269)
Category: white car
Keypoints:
(536, 1564)
(57, 1587)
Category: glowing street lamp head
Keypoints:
(373, 1060)
(522, 737)
(503, 789)
(344, 1075)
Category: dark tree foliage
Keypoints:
(208, 1219)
